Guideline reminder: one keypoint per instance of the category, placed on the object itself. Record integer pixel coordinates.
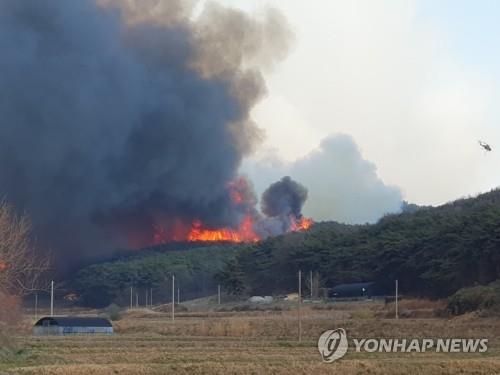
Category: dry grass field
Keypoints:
(234, 339)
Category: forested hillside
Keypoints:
(431, 251)
(194, 270)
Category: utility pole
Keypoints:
(178, 296)
(147, 292)
(52, 298)
(311, 281)
(299, 305)
(36, 306)
(151, 297)
(136, 300)
(218, 294)
(131, 298)
(397, 297)
(173, 298)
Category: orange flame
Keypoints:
(244, 233)
(198, 231)
(301, 224)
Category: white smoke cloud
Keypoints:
(341, 184)
(386, 72)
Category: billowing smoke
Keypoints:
(281, 204)
(342, 185)
(348, 189)
(284, 197)
(118, 115)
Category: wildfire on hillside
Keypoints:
(198, 232)
(253, 226)
(245, 233)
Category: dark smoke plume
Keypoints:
(284, 197)
(116, 115)
(281, 204)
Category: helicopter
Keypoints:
(486, 146)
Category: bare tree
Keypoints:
(21, 266)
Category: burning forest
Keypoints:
(281, 203)
(124, 124)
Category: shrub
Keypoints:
(474, 298)
(114, 312)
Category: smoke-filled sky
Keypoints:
(413, 83)
(117, 116)
(341, 184)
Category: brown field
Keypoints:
(239, 339)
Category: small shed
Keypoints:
(65, 325)
(355, 290)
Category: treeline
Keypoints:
(431, 251)
(102, 284)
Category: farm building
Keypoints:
(356, 290)
(72, 326)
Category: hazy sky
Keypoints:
(413, 83)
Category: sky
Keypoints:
(407, 87)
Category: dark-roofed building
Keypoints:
(355, 290)
(65, 325)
